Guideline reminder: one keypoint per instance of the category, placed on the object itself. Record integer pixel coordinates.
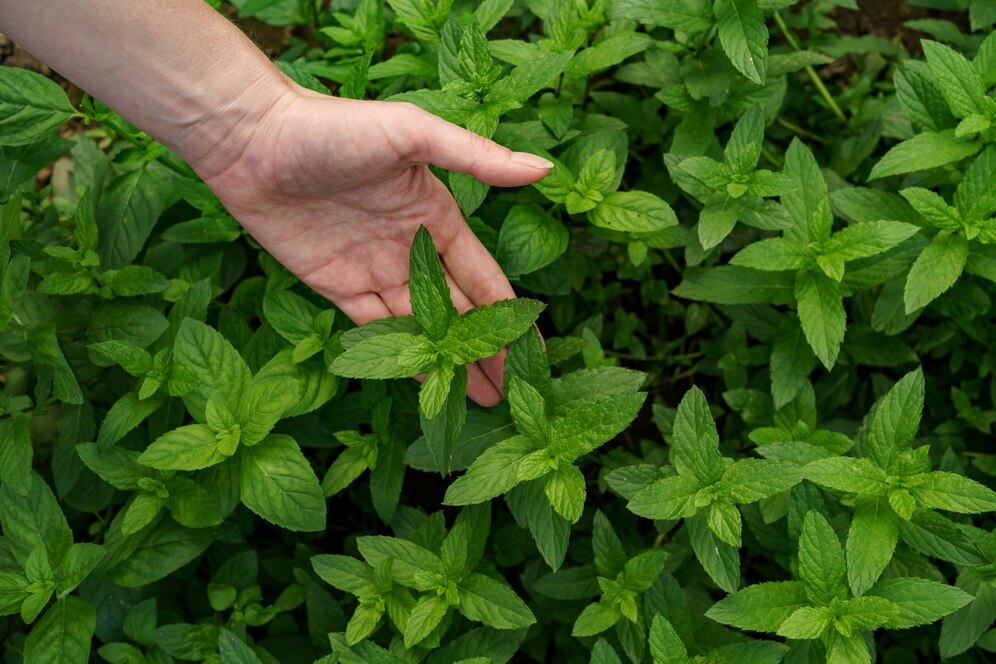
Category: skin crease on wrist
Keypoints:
(333, 188)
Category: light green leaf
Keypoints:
(493, 473)
(720, 560)
(565, 488)
(633, 211)
(896, 420)
(954, 493)
(595, 618)
(190, 447)
(279, 485)
(392, 355)
(936, 269)
(235, 651)
(821, 561)
(695, 448)
(821, 313)
(217, 366)
(760, 608)
(425, 616)
(668, 498)
(430, 295)
(809, 622)
(492, 602)
(848, 474)
(484, 331)
(924, 151)
(958, 80)
(920, 601)
(871, 542)
(772, 254)
(751, 480)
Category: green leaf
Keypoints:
(924, 151)
(744, 148)
(63, 634)
(642, 570)
(31, 106)
(279, 485)
(16, 453)
(493, 473)
(34, 520)
(666, 646)
(720, 560)
(848, 474)
(430, 295)
(549, 531)
(190, 447)
(809, 622)
(933, 208)
(870, 238)
(610, 556)
(492, 602)
(425, 616)
(920, 601)
(291, 315)
(435, 388)
(954, 493)
(585, 428)
(871, 541)
(81, 559)
(595, 618)
(528, 410)
(716, 220)
(936, 269)
(668, 498)
(565, 487)
(691, 16)
(962, 629)
(792, 360)
(744, 37)
(607, 52)
(482, 332)
(958, 80)
(750, 480)
(263, 404)
(695, 447)
(345, 573)
(235, 651)
(411, 565)
(806, 201)
(821, 313)
(217, 366)
(392, 355)
(127, 211)
(821, 561)
(634, 212)
(529, 239)
(526, 80)
(442, 429)
(772, 254)
(736, 285)
(762, 607)
(896, 420)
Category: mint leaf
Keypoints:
(391, 355)
(926, 150)
(695, 448)
(920, 601)
(484, 331)
(565, 488)
(493, 473)
(31, 107)
(278, 484)
(847, 474)
(954, 493)
(217, 366)
(821, 312)
(762, 607)
(633, 211)
(743, 36)
(430, 294)
(63, 635)
(441, 430)
(936, 270)
(896, 420)
(821, 561)
(871, 541)
(957, 78)
(486, 600)
(425, 616)
(189, 447)
(669, 498)
(529, 239)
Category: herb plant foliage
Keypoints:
(750, 384)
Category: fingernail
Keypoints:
(531, 160)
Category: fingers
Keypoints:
(433, 140)
(364, 308)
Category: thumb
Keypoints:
(444, 144)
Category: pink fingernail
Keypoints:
(531, 160)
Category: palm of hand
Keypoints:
(335, 190)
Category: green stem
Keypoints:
(805, 133)
(817, 81)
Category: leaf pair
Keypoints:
(436, 341)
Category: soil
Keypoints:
(885, 18)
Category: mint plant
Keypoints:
(748, 383)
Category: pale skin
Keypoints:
(333, 188)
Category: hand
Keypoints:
(335, 189)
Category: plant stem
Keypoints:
(817, 81)
(805, 133)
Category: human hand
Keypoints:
(335, 189)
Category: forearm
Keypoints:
(177, 69)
